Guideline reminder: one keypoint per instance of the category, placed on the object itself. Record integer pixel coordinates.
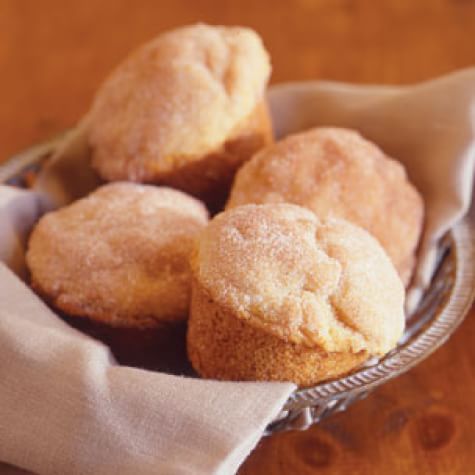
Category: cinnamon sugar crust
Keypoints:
(118, 256)
(178, 99)
(337, 173)
(323, 284)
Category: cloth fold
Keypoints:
(67, 407)
(429, 127)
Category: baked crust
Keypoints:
(221, 345)
(311, 289)
(118, 256)
(337, 173)
(210, 177)
(185, 97)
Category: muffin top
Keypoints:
(176, 98)
(337, 173)
(119, 256)
(314, 282)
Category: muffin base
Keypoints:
(96, 314)
(210, 177)
(162, 348)
(222, 346)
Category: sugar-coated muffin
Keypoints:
(337, 173)
(119, 256)
(185, 110)
(279, 294)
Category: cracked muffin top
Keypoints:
(177, 97)
(325, 283)
(119, 255)
(336, 172)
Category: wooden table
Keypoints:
(53, 54)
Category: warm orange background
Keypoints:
(54, 53)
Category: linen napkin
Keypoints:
(67, 407)
(429, 127)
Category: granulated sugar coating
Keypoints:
(118, 256)
(337, 173)
(178, 99)
(299, 283)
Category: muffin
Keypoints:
(337, 173)
(119, 256)
(280, 295)
(185, 110)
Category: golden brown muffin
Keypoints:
(278, 294)
(185, 110)
(337, 173)
(119, 256)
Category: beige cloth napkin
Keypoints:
(66, 407)
(429, 127)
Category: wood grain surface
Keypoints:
(54, 53)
